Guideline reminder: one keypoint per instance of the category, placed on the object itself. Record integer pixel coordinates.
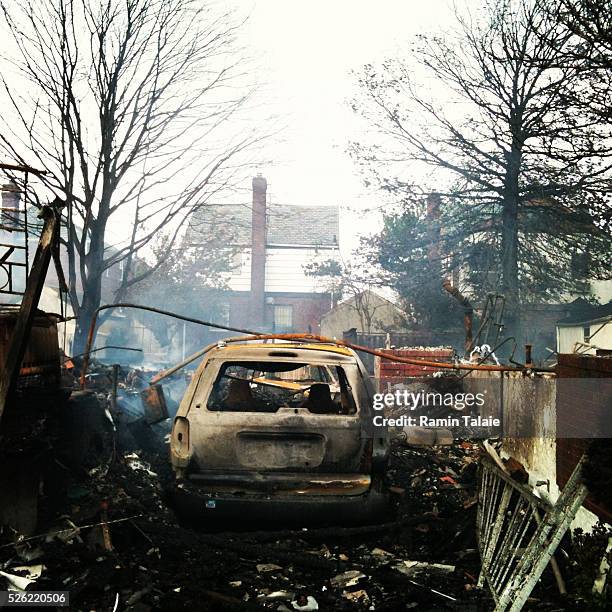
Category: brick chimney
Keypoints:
(258, 253)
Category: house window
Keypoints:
(586, 334)
(283, 319)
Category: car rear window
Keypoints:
(268, 386)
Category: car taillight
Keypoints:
(180, 440)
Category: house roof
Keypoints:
(372, 295)
(311, 225)
(585, 312)
(287, 224)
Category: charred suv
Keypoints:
(277, 432)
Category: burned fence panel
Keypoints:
(518, 533)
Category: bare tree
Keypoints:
(132, 107)
(353, 284)
(500, 137)
(591, 23)
(588, 23)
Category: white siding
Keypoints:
(285, 269)
(603, 338)
(568, 336)
(239, 279)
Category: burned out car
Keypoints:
(277, 432)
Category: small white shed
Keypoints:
(586, 332)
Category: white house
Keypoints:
(271, 246)
(586, 331)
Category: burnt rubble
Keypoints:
(115, 536)
(108, 534)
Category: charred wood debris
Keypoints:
(86, 505)
(107, 533)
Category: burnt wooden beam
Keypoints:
(22, 168)
(29, 303)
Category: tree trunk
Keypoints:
(80, 333)
(92, 289)
(91, 301)
(509, 263)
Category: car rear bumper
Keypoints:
(202, 506)
(282, 483)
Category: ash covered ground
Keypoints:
(113, 541)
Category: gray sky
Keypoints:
(307, 51)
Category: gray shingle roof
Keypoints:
(294, 225)
(582, 311)
(231, 221)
